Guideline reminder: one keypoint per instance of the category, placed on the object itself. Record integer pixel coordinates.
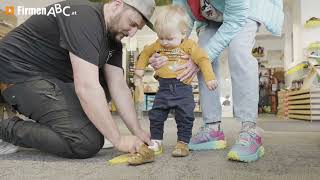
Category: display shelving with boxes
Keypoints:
(304, 104)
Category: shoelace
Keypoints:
(245, 136)
(203, 128)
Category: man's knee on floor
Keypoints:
(88, 144)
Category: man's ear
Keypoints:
(117, 4)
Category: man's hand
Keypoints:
(190, 69)
(157, 61)
(212, 85)
(129, 144)
(143, 135)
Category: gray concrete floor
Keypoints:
(292, 152)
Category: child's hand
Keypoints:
(212, 85)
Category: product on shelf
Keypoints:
(315, 54)
(312, 22)
(258, 52)
(296, 84)
(314, 46)
(313, 76)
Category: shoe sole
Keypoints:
(232, 155)
(179, 155)
(211, 145)
(159, 152)
(140, 163)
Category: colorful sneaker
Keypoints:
(208, 138)
(156, 147)
(248, 147)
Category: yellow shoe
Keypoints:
(181, 150)
(145, 155)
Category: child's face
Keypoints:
(172, 40)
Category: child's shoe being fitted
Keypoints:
(144, 155)
(156, 146)
(181, 150)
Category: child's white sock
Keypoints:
(156, 145)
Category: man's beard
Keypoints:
(114, 27)
(115, 36)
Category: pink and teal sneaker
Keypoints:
(207, 139)
(248, 147)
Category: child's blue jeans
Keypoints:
(173, 94)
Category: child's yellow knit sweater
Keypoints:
(188, 47)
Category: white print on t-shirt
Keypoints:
(209, 12)
(109, 56)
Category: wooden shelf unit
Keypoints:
(304, 104)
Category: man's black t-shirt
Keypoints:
(39, 48)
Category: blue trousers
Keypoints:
(178, 96)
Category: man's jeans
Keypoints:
(244, 74)
(61, 127)
(176, 95)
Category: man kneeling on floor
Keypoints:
(56, 70)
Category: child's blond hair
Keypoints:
(171, 18)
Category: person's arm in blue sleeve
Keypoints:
(234, 18)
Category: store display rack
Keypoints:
(304, 104)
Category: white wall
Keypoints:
(310, 8)
(288, 34)
(301, 11)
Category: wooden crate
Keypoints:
(283, 104)
(304, 104)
